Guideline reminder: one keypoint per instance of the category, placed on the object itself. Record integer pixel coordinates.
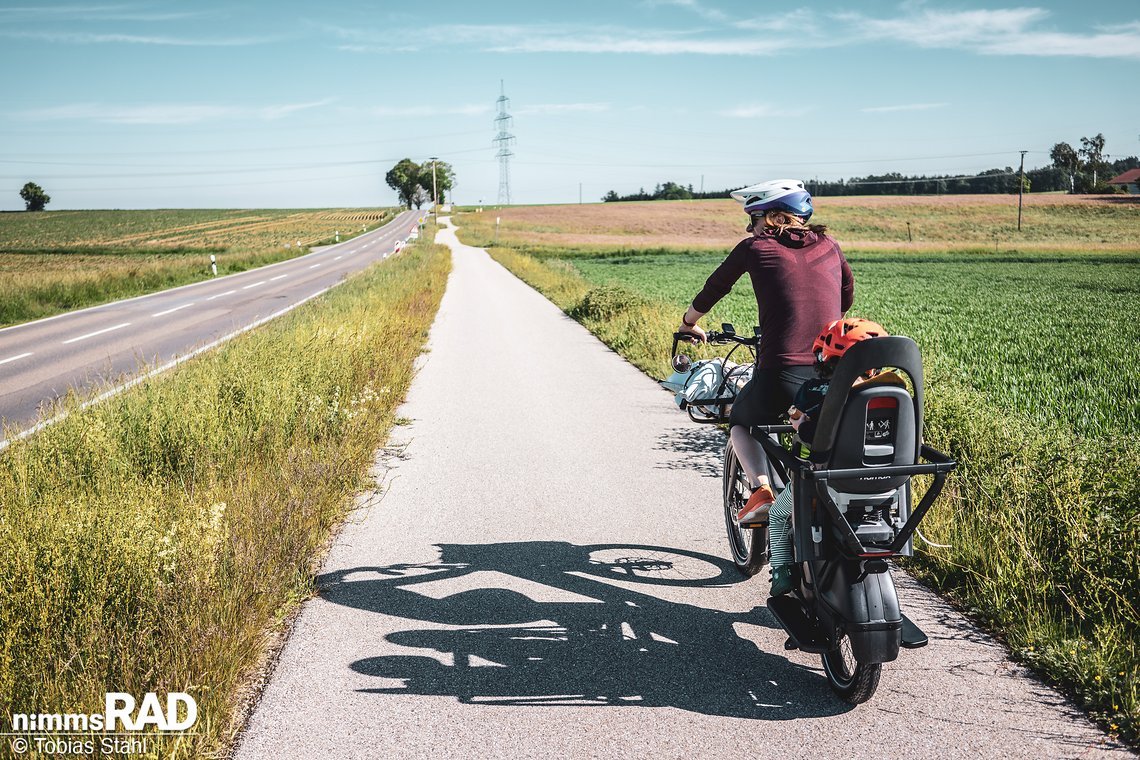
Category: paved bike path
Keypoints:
(543, 576)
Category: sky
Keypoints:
(287, 104)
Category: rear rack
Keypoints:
(939, 465)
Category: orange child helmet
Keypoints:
(841, 334)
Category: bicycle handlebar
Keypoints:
(713, 336)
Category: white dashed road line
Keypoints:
(219, 295)
(14, 358)
(314, 266)
(338, 258)
(97, 332)
(278, 277)
(254, 285)
(171, 311)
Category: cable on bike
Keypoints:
(928, 542)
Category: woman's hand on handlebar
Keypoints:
(696, 331)
(689, 326)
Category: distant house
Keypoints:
(1130, 181)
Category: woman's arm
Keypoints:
(717, 286)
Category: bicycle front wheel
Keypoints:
(749, 546)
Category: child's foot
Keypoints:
(781, 579)
(755, 512)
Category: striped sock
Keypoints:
(778, 539)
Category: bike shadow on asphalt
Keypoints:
(548, 623)
(701, 450)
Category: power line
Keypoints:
(230, 170)
(306, 146)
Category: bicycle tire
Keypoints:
(854, 682)
(748, 546)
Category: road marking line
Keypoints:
(14, 358)
(338, 258)
(97, 332)
(254, 285)
(278, 277)
(170, 311)
(314, 266)
(219, 295)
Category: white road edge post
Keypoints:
(213, 265)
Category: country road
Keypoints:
(542, 574)
(90, 348)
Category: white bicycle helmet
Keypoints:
(781, 194)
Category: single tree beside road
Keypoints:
(34, 197)
(414, 182)
(404, 178)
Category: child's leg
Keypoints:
(778, 540)
(779, 543)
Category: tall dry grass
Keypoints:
(150, 543)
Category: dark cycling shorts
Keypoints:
(765, 399)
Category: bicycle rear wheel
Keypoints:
(853, 681)
(749, 546)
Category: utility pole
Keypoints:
(504, 139)
(579, 193)
(434, 191)
(1020, 188)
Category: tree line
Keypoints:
(1075, 170)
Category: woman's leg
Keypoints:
(763, 401)
(750, 454)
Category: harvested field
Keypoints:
(59, 260)
(1051, 223)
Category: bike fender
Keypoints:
(867, 608)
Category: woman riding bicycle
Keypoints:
(802, 283)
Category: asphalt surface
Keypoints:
(541, 572)
(97, 347)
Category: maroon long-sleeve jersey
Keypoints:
(802, 284)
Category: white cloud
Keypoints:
(579, 38)
(711, 14)
(97, 13)
(426, 111)
(163, 113)
(545, 109)
(1003, 31)
(378, 49)
(91, 38)
(1010, 31)
(907, 107)
(660, 44)
(763, 111)
(800, 20)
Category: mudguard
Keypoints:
(867, 608)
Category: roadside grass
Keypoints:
(158, 540)
(1043, 520)
(55, 261)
